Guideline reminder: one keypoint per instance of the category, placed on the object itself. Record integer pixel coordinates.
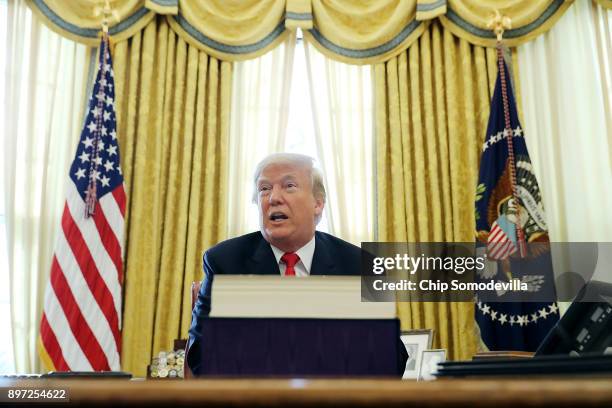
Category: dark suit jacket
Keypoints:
(252, 254)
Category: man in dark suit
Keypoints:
(290, 196)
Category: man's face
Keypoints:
(287, 207)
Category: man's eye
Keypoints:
(291, 185)
(264, 189)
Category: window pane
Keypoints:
(6, 344)
(300, 127)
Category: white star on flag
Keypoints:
(105, 181)
(80, 173)
(88, 142)
(92, 127)
(84, 157)
(486, 309)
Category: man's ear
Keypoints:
(319, 205)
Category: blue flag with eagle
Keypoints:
(510, 223)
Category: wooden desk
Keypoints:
(521, 393)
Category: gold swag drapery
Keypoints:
(432, 107)
(173, 108)
(604, 3)
(172, 60)
(361, 32)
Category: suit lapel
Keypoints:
(263, 261)
(322, 260)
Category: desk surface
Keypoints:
(561, 392)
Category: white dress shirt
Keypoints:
(302, 268)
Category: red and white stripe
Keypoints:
(81, 324)
(499, 245)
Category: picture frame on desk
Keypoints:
(429, 363)
(415, 342)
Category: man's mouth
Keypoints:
(278, 216)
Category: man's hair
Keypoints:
(296, 159)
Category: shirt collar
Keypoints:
(306, 253)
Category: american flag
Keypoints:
(80, 328)
(509, 214)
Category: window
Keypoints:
(300, 132)
(274, 109)
(6, 343)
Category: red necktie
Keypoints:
(290, 259)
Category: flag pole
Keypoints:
(91, 196)
(499, 24)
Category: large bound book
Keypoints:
(276, 296)
(301, 347)
(298, 327)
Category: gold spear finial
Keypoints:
(499, 24)
(106, 12)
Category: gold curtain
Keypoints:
(355, 32)
(173, 107)
(432, 107)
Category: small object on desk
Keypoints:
(509, 354)
(167, 365)
(415, 341)
(20, 376)
(86, 374)
(430, 363)
(558, 365)
(586, 326)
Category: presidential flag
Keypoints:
(511, 230)
(80, 328)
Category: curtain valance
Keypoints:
(468, 19)
(604, 3)
(357, 32)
